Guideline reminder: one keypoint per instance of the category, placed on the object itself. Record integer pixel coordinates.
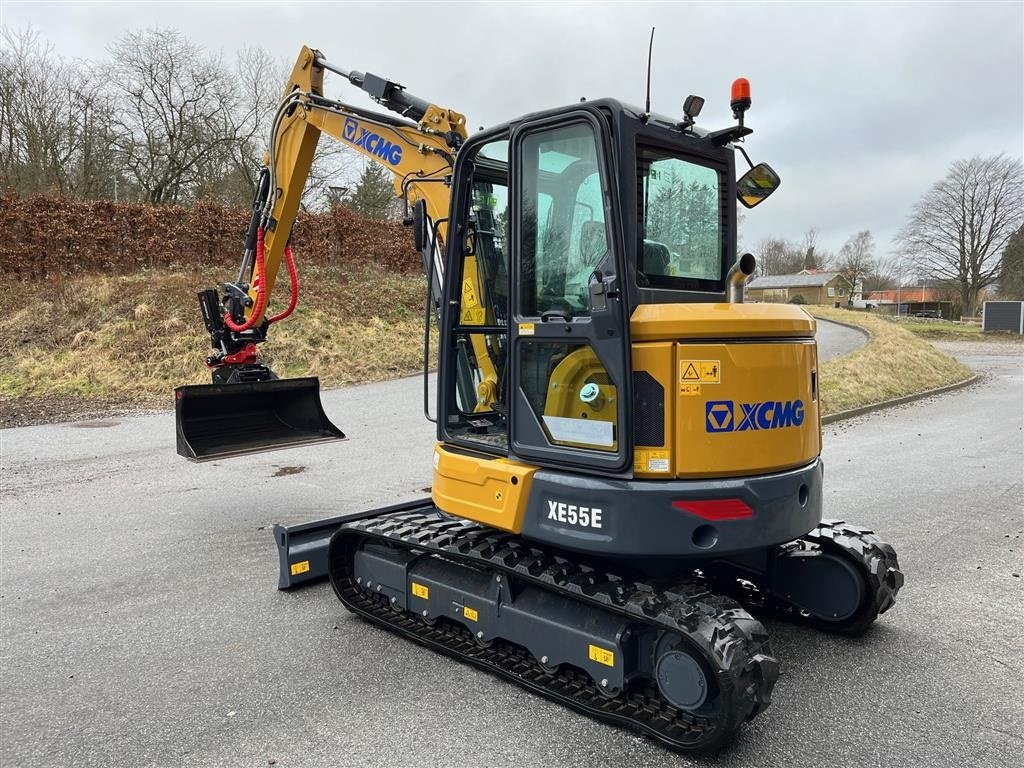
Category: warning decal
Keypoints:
(651, 460)
(700, 372)
(421, 591)
(601, 656)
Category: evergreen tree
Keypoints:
(374, 195)
(1011, 267)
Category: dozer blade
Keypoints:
(216, 421)
(302, 548)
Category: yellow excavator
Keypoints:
(628, 459)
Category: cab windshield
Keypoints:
(680, 227)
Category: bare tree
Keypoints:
(957, 231)
(857, 258)
(176, 103)
(882, 276)
(229, 173)
(55, 121)
(810, 249)
(776, 256)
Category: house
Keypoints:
(916, 294)
(812, 286)
(923, 299)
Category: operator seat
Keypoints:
(655, 259)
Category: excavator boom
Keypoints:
(247, 409)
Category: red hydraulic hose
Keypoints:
(261, 294)
(293, 277)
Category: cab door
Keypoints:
(570, 403)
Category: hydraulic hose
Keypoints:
(293, 277)
(261, 294)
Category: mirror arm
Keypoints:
(745, 156)
(724, 136)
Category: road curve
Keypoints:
(141, 626)
(835, 340)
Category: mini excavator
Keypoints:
(628, 460)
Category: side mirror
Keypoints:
(419, 225)
(756, 184)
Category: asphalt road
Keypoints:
(835, 340)
(140, 624)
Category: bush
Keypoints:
(798, 299)
(55, 237)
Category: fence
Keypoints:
(49, 236)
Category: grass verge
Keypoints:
(943, 329)
(101, 339)
(101, 343)
(893, 363)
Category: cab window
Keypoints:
(681, 238)
(565, 236)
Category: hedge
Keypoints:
(51, 236)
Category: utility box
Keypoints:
(1003, 316)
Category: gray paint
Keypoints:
(1003, 316)
(638, 519)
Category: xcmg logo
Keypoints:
(727, 416)
(373, 143)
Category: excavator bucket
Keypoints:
(216, 421)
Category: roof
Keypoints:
(794, 281)
(905, 294)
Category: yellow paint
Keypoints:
(488, 490)
(470, 614)
(421, 591)
(425, 154)
(750, 373)
(576, 370)
(474, 312)
(601, 656)
(297, 568)
(662, 322)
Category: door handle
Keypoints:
(555, 314)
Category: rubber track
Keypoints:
(733, 642)
(874, 558)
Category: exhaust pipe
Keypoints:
(738, 276)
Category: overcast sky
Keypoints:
(859, 106)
